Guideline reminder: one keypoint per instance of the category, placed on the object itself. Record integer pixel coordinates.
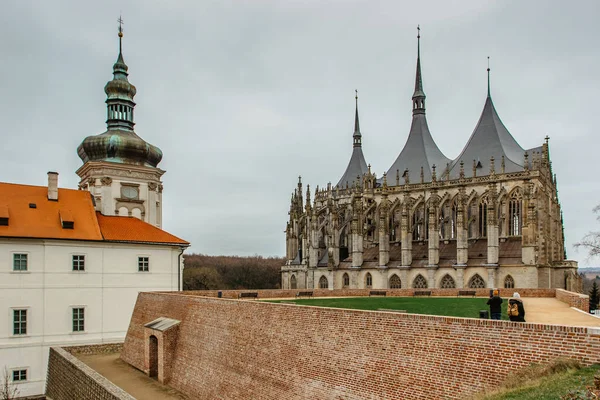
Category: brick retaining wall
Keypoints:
(577, 300)
(246, 349)
(70, 378)
(280, 293)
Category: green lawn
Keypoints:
(551, 387)
(448, 306)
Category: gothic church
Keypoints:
(488, 218)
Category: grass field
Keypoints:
(551, 386)
(448, 306)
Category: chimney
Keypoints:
(53, 186)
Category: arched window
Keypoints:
(472, 218)
(346, 281)
(483, 218)
(514, 214)
(293, 282)
(369, 280)
(395, 282)
(476, 282)
(453, 221)
(447, 282)
(418, 223)
(444, 221)
(509, 282)
(420, 282)
(323, 284)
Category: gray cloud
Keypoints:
(242, 97)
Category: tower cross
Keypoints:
(120, 21)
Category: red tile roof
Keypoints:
(43, 221)
(130, 229)
(32, 215)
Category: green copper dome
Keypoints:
(119, 143)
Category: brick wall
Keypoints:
(232, 349)
(278, 293)
(70, 378)
(577, 300)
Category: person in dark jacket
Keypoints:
(517, 300)
(495, 303)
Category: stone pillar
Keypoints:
(285, 279)
(528, 222)
(357, 233)
(357, 245)
(461, 235)
(492, 227)
(460, 276)
(434, 237)
(406, 236)
(430, 277)
(384, 240)
(491, 281)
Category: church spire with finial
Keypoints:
(357, 137)
(120, 92)
(488, 71)
(418, 97)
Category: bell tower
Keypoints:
(120, 168)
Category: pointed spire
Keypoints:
(120, 92)
(357, 136)
(488, 71)
(419, 95)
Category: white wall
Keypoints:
(107, 289)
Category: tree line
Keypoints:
(204, 272)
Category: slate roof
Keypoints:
(490, 138)
(419, 151)
(357, 165)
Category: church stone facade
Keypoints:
(489, 218)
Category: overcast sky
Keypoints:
(244, 96)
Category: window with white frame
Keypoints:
(19, 262)
(19, 375)
(20, 322)
(143, 264)
(78, 319)
(78, 262)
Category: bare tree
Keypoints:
(591, 241)
(8, 390)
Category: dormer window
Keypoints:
(66, 219)
(3, 216)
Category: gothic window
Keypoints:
(420, 223)
(369, 280)
(322, 238)
(426, 227)
(509, 282)
(323, 284)
(472, 218)
(514, 214)
(447, 282)
(476, 282)
(443, 221)
(395, 282)
(346, 280)
(453, 220)
(293, 282)
(483, 218)
(501, 208)
(420, 282)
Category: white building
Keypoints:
(73, 261)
